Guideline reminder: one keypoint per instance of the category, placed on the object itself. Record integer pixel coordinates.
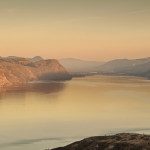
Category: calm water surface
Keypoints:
(47, 115)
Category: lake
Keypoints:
(47, 115)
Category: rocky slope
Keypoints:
(16, 71)
(124, 141)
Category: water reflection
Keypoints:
(43, 88)
(32, 115)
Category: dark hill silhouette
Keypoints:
(124, 141)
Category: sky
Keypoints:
(85, 29)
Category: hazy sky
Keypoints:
(86, 29)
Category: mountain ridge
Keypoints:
(136, 67)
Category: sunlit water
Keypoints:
(48, 115)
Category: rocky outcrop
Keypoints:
(123, 141)
(16, 71)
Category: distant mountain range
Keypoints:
(79, 66)
(135, 67)
(72, 65)
(138, 67)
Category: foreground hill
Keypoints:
(16, 71)
(124, 141)
(77, 66)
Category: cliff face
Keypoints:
(124, 141)
(16, 71)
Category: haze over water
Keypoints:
(47, 115)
